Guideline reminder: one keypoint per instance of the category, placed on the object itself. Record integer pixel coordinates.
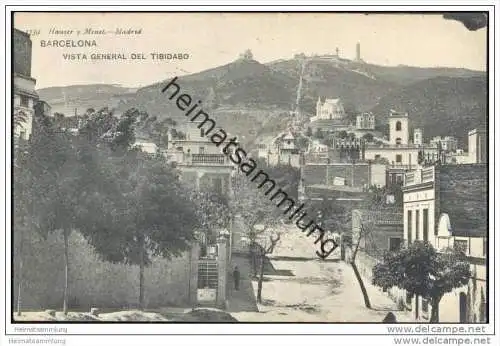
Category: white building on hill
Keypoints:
(329, 109)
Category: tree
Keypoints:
(262, 218)
(153, 215)
(23, 202)
(319, 134)
(145, 211)
(337, 217)
(309, 132)
(368, 137)
(19, 119)
(422, 271)
(342, 134)
(213, 213)
(354, 267)
(53, 186)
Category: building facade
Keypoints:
(200, 162)
(418, 137)
(203, 165)
(330, 116)
(400, 151)
(23, 90)
(329, 109)
(447, 206)
(365, 121)
(478, 147)
(447, 143)
(286, 152)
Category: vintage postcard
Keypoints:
(232, 167)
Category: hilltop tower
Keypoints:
(358, 51)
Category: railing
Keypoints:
(398, 165)
(410, 178)
(421, 176)
(208, 159)
(428, 174)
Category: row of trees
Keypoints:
(128, 205)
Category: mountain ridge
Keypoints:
(244, 92)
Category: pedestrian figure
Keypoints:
(236, 278)
(389, 318)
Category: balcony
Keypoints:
(400, 166)
(420, 176)
(207, 159)
(427, 174)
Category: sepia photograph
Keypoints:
(176, 167)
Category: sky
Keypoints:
(214, 39)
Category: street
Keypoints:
(299, 287)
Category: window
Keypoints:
(425, 224)
(417, 224)
(398, 141)
(394, 244)
(377, 157)
(398, 125)
(409, 224)
(201, 150)
(399, 158)
(485, 246)
(461, 245)
(22, 135)
(25, 101)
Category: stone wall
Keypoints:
(326, 174)
(365, 264)
(92, 281)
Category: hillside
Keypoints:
(334, 78)
(251, 99)
(66, 99)
(441, 105)
(406, 75)
(244, 83)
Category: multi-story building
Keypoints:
(200, 162)
(23, 90)
(399, 151)
(203, 165)
(329, 109)
(365, 121)
(478, 147)
(447, 206)
(330, 115)
(322, 177)
(285, 152)
(348, 149)
(447, 143)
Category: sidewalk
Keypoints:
(243, 299)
